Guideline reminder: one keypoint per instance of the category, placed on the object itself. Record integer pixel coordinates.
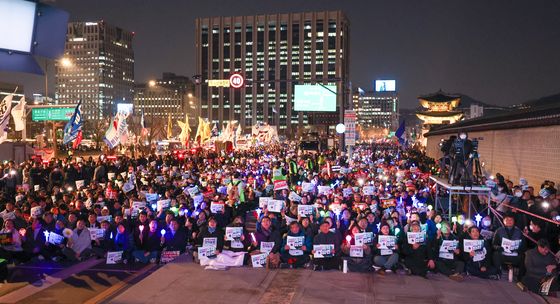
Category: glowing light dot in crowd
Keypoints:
(545, 205)
(478, 218)
(70, 189)
(141, 227)
(340, 128)
(253, 237)
(13, 172)
(258, 211)
(491, 176)
(397, 230)
(430, 207)
(438, 226)
(111, 236)
(348, 238)
(557, 218)
(162, 232)
(22, 231)
(454, 219)
(468, 222)
(360, 181)
(46, 233)
(154, 206)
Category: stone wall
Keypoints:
(532, 153)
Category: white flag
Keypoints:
(5, 111)
(18, 114)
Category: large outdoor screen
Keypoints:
(315, 98)
(17, 18)
(385, 85)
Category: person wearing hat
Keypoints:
(541, 266)
(327, 237)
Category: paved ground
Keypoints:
(187, 282)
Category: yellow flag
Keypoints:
(169, 127)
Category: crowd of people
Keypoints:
(277, 207)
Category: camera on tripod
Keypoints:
(463, 155)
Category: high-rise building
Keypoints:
(97, 68)
(273, 53)
(170, 95)
(377, 109)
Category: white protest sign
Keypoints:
(387, 244)
(96, 233)
(114, 257)
(275, 205)
(216, 207)
(127, 187)
(111, 175)
(55, 239)
(472, 245)
(107, 218)
(36, 187)
(347, 192)
(307, 187)
(266, 247)
(510, 247)
(207, 252)
(446, 249)
(36, 211)
(363, 238)
(210, 242)
(305, 210)
(163, 204)
(198, 199)
(192, 191)
(295, 242)
(138, 205)
(294, 197)
(415, 237)
(368, 190)
(151, 197)
(323, 250)
(323, 189)
(258, 260)
(263, 202)
(80, 184)
(233, 233)
(356, 251)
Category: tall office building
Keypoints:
(273, 53)
(170, 95)
(377, 109)
(97, 68)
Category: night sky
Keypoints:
(497, 51)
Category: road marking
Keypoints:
(49, 281)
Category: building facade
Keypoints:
(273, 53)
(376, 109)
(97, 68)
(170, 95)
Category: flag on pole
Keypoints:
(185, 130)
(112, 138)
(77, 141)
(361, 92)
(73, 126)
(122, 127)
(18, 114)
(5, 111)
(399, 134)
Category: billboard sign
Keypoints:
(315, 98)
(385, 85)
(52, 114)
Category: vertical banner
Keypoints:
(350, 126)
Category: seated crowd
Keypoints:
(268, 207)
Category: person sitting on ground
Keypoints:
(448, 262)
(326, 237)
(541, 266)
(418, 255)
(34, 240)
(175, 237)
(295, 254)
(212, 234)
(11, 251)
(150, 246)
(122, 242)
(477, 260)
(79, 244)
(386, 257)
(503, 254)
(267, 239)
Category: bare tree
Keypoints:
(96, 129)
